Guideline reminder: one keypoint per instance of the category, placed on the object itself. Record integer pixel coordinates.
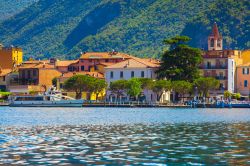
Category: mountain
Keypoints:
(64, 28)
(11, 7)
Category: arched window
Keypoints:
(212, 43)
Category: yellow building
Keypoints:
(246, 56)
(10, 57)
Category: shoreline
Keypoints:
(112, 105)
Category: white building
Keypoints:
(135, 68)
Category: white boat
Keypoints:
(51, 98)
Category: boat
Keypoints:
(51, 98)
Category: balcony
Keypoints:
(221, 77)
(15, 82)
(215, 67)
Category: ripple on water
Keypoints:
(155, 144)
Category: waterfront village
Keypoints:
(229, 67)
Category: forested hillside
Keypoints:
(66, 28)
(12, 7)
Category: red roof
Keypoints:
(215, 32)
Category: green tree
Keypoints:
(118, 87)
(236, 96)
(98, 86)
(146, 83)
(205, 84)
(180, 62)
(134, 87)
(78, 84)
(160, 86)
(227, 94)
(182, 87)
(54, 82)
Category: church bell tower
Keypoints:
(215, 40)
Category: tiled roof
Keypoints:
(66, 63)
(36, 61)
(92, 74)
(104, 55)
(4, 72)
(215, 32)
(37, 66)
(134, 63)
(106, 63)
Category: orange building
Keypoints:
(10, 57)
(243, 79)
(65, 66)
(4, 78)
(96, 61)
(34, 77)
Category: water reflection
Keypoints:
(155, 144)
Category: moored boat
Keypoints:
(51, 98)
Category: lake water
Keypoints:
(124, 136)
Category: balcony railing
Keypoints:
(215, 67)
(23, 82)
(221, 77)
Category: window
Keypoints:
(34, 73)
(142, 74)
(71, 68)
(82, 60)
(23, 74)
(121, 74)
(245, 70)
(132, 74)
(245, 83)
(218, 43)
(106, 60)
(96, 68)
(221, 86)
(212, 43)
(29, 74)
(111, 74)
(82, 68)
(221, 74)
(3, 78)
(61, 86)
(209, 65)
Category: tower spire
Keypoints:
(215, 31)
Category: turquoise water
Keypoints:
(120, 136)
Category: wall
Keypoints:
(46, 76)
(91, 62)
(240, 81)
(148, 73)
(246, 56)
